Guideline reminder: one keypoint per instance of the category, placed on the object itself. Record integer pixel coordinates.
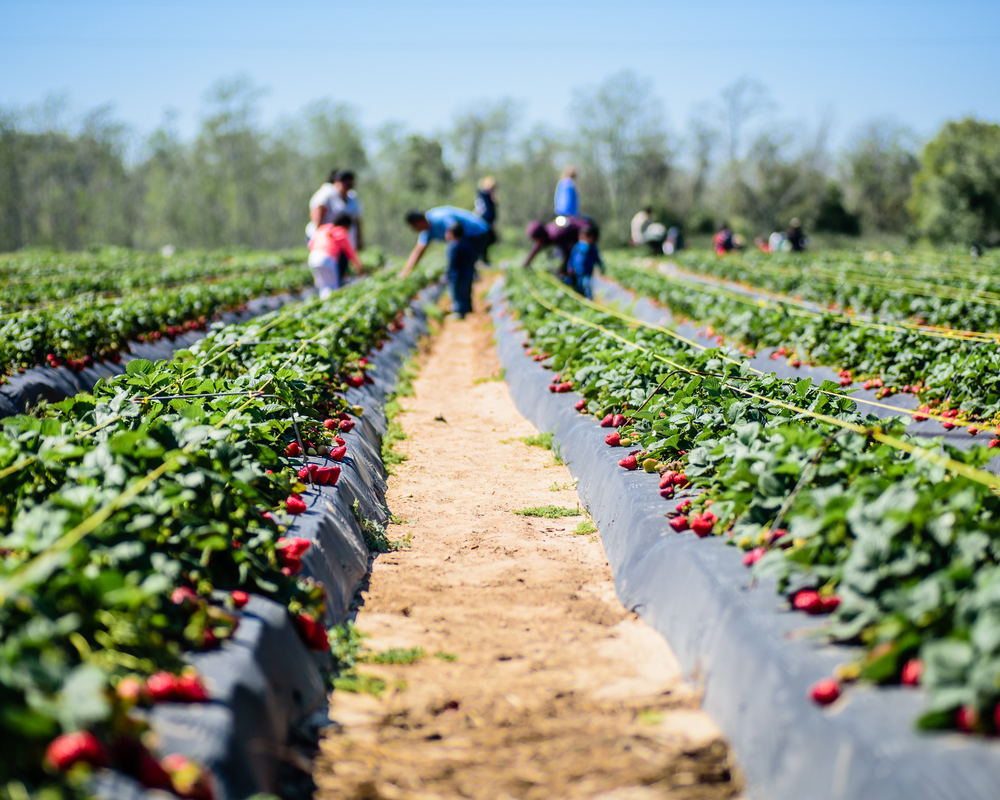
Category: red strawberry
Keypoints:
(973, 430)
(552, 388)
(679, 523)
(189, 688)
(308, 470)
(339, 441)
(328, 476)
(75, 748)
(295, 504)
(313, 632)
(617, 420)
(667, 478)
(331, 424)
(967, 718)
(628, 462)
(357, 381)
(293, 449)
(182, 595)
(346, 425)
(293, 546)
(947, 426)
(580, 404)
(338, 453)
(680, 479)
(702, 524)
(825, 691)
(830, 603)
(919, 418)
(606, 422)
(160, 687)
(796, 363)
(808, 600)
(239, 598)
(149, 772)
(683, 506)
(667, 492)
(993, 443)
(565, 386)
(613, 439)
(755, 555)
(912, 670)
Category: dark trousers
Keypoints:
(460, 287)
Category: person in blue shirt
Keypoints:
(582, 260)
(434, 223)
(461, 269)
(486, 208)
(567, 203)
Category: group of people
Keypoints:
(334, 232)
(791, 241)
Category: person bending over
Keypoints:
(582, 260)
(461, 269)
(435, 223)
(553, 234)
(328, 244)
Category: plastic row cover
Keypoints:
(740, 642)
(265, 685)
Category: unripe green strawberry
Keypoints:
(650, 465)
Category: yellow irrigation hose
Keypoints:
(23, 574)
(643, 324)
(776, 300)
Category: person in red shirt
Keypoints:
(325, 247)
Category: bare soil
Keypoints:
(557, 691)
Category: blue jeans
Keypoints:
(460, 287)
(584, 285)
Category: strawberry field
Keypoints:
(136, 522)
(888, 536)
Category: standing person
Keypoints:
(553, 234)
(567, 203)
(461, 269)
(795, 240)
(336, 197)
(331, 242)
(486, 209)
(582, 260)
(434, 224)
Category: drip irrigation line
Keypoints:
(876, 433)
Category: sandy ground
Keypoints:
(557, 691)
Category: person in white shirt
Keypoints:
(333, 199)
(647, 233)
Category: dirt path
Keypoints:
(557, 691)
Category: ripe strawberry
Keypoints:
(189, 688)
(160, 687)
(613, 439)
(947, 426)
(75, 748)
(149, 772)
(339, 441)
(606, 422)
(182, 595)
(796, 363)
(239, 598)
(829, 603)
(683, 506)
(187, 778)
(973, 430)
(919, 418)
(993, 443)
(338, 453)
(552, 388)
(667, 492)
(295, 504)
(346, 425)
(293, 449)
(667, 478)
(328, 476)
(679, 523)
(808, 600)
(617, 420)
(825, 691)
(331, 424)
(565, 386)
(702, 524)
(313, 632)
(357, 381)
(912, 670)
(967, 718)
(293, 546)
(752, 557)
(629, 462)
(307, 471)
(580, 404)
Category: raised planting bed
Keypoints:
(168, 579)
(860, 518)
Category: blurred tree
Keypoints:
(956, 193)
(880, 164)
(481, 135)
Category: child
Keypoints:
(582, 261)
(326, 246)
(461, 269)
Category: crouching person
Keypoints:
(461, 269)
(326, 246)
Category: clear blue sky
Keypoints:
(417, 62)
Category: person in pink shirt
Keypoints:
(325, 247)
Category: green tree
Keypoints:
(956, 193)
(880, 164)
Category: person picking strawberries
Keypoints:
(325, 249)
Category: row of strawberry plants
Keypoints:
(135, 522)
(946, 372)
(901, 550)
(843, 281)
(35, 278)
(76, 336)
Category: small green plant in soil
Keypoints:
(446, 656)
(549, 512)
(374, 534)
(498, 376)
(395, 655)
(585, 527)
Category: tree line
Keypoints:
(240, 183)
